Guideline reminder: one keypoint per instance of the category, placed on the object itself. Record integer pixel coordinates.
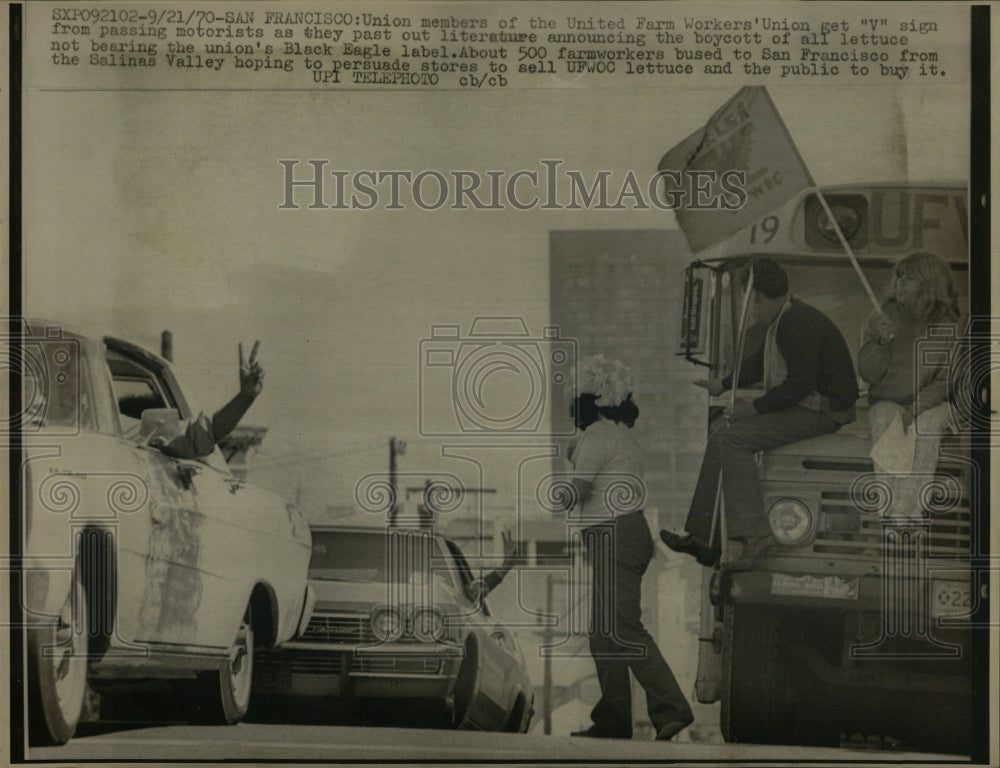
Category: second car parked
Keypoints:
(393, 620)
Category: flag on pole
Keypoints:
(746, 136)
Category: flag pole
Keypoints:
(826, 208)
(847, 249)
(719, 520)
(741, 338)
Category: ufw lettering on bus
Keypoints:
(891, 216)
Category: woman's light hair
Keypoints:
(936, 298)
(609, 380)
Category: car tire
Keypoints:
(466, 684)
(516, 721)
(223, 696)
(57, 671)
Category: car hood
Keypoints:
(362, 596)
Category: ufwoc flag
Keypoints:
(745, 136)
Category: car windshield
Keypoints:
(374, 556)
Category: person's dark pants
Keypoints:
(732, 449)
(620, 553)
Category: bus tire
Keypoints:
(753, 676)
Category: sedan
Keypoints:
(398, 617)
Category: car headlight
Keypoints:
(791, 521)
(428, 625)
(387, 625)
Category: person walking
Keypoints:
(609, 488)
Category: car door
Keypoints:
(246, 538)
(160, 584)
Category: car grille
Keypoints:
(332, 663)
(351, 629)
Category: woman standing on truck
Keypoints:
(901, 386)
(609, 487)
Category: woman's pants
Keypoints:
(620, 553)
(907, 487)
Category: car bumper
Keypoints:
(398, 671)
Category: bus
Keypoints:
(855, 621)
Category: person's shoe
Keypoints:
(668, 730)
(594, 732)
(688, 545)
(750, 551)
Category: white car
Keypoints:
(138, 566)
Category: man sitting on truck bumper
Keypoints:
(809, 389)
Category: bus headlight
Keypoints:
(387, 625)
(791, 521)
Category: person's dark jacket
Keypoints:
(816, 357)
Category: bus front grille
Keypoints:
(846, 529)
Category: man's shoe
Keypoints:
(688, 545)
(594, 732)
(750, 550)
(668, 730)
